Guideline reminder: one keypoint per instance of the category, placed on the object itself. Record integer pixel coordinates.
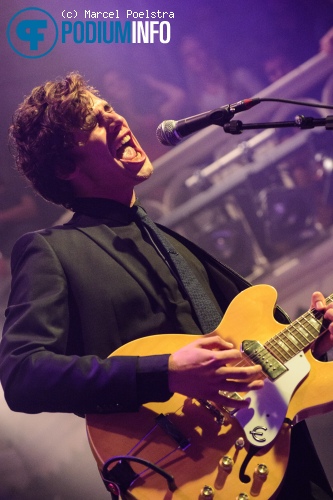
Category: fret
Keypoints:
(276, 347)
(329, 299)
(322, 323)
(286, 343)
(285, 346)
(305, 331)
(284, 349)
(316, 322)
(298, 335)
(291, 341)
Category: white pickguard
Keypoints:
(263, 418)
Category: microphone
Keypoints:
(171, 132)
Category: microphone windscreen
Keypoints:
(166, 133)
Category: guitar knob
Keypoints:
(262, 471)
(226, 463)
(240, 443)
(260, 476)
(242, 496)
(207, 493)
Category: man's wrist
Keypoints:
(153, 378)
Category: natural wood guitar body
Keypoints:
(218, 456)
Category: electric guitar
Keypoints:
(186, 449)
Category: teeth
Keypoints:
(125, 139)
(126, 150)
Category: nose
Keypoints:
(109, 118)
(115, 123)
(117, 119)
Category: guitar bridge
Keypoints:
(172, 431)
(231, 410)
(271, 366)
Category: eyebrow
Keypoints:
(104, 103)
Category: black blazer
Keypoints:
(76, 297)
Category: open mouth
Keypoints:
(127, 150)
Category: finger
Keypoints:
(223, 398)
(225, 358)
(318, 301)
(238, 386)
(213, 342)
(240, 372)
(329, 313)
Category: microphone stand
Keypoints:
(235, 127)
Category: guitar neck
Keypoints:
(299, 335)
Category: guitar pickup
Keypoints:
(259, 355)
(172, 431)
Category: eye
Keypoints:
(108, 108)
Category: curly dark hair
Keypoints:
(41, 136)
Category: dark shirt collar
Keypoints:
(105, 208)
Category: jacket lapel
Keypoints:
(102, 235)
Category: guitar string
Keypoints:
(245, 361)
(179, 409)
(284, 333)
(130, 452)
(274, 343)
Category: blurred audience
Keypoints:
(280, 58)
(18, 209)
(276, 65)
(208, 83)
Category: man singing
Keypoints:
(81, 290)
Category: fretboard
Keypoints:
(299, 335)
